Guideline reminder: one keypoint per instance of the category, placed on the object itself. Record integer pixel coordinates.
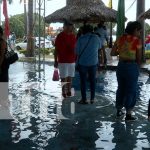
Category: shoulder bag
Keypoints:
(77, 62)
(10, 55)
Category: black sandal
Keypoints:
(82, 102)
(92, 101)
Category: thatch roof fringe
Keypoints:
(84, 2)
(83, 11)
(145, 15)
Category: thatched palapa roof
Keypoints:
(83, 11)
(145, 15)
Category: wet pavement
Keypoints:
(43, 120)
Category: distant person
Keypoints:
(12, 40)
(87, 56)
(65, 56)
(147, 43)
(25, 38)
(13, 37)
(102, 32)
(147, 47)
(147, 40)
(128, 47)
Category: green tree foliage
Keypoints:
(10, 1)
(36, 25)
(147, 29)
(16, 23)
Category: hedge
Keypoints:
(47, 51)
(147, 54)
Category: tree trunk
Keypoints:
(25, 17)
(30, 41)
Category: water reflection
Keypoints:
(31, 76)
(35, 105)
(105, 136)
(124, 136)
(75, 131)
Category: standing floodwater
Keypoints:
(43, 121)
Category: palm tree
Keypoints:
(25, 15)
(30, 39)
(28, 20)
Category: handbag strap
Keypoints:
(7, 45)
(84, 48)
(1, 39)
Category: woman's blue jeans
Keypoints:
(127, 77)
(89, 71)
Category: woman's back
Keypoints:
(127, 47)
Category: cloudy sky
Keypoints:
(53, 5)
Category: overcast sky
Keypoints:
(53, 5)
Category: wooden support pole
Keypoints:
(139, 11)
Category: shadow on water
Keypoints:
(44, 121)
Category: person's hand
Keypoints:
(56, 64)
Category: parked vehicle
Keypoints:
(23, 44)
(48, 44)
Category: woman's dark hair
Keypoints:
(101, 24)
(68, 23)
(87, 29)
(1, 30)
(132, 26)
(80, 32)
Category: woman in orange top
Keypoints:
(128, 48)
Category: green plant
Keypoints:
(52, 50)
(23, 51)
(147, 54)
(46, 51)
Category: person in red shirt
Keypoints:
(64, 56)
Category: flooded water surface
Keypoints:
(43, 120)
